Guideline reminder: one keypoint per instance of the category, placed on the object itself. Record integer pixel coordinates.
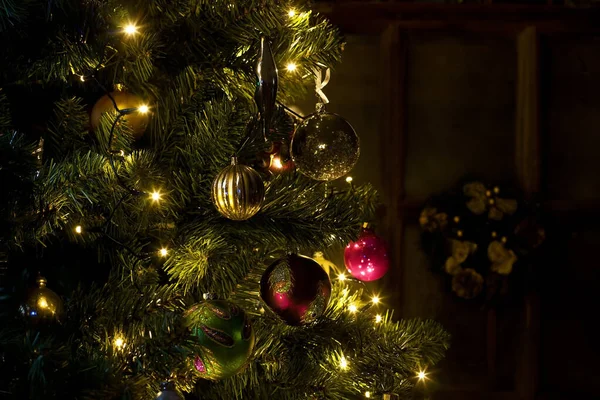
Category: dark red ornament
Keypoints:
(367, 258)
(296, 288)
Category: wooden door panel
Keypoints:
(460, 110)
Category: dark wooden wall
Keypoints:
(509, 93)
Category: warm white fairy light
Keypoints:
(341, 277)
(291, 67)
(78, 229)
(291, 13)
(119, 342)
(163, 252)
(352, 308)
(276, 162)
(375, 299)
(349, 179)
(155, 196)
(343, 363)
(368, 394)
(422, 375)
(143, 109)
(130, 29)
(82, 78)
(378, 318)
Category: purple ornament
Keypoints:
(199, 364)
(367, 258)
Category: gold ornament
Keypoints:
(238, 191)
(42, 304)
(137, 121)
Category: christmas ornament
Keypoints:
(42, 304)
(296, 288)
(265, 95)
(137, 120)
(327, 265)
(325, 146)
(167, 392)
(280, 160)
(226, 336)
(238, 191)
(367, 258)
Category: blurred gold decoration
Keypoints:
(431, 220)
(460, 252)
(327, 265)
(136, 121)
(502, 259)
(481, 202)
(467, 283)
(42, 304)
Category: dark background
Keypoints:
(509, 93)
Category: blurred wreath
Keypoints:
(484, 238)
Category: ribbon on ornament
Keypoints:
(321, 82)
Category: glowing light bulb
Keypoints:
(78, 229)
(422, 375)
(42, 302)
(343, 363)
(342, 277)
(82, 78)
(119, 342)
(155, 196)
(349, 179)
(130, 29)
(143, 109)
(375, 299)
(163, 252)
(378, 318)
(291, 13)
(368, 395)
(291, 67)
(352, 308)
(276, 162)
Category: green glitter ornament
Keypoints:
(226, 336)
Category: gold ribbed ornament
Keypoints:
(238, 191)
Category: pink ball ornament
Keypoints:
(367, 258)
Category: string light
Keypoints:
(368, 394)
(78, 229)
(155, 196)
(163, 252)
(378, 318)
(119, 342)
(276, 162)
(130, 29)
(143, 109)
(342, 277)
(422, 375)
(291, 13)
(82, 78)
(352, 308)
(349, 179)
(291, 67)
(375, 299)
(343, 363)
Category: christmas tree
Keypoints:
(157, 196)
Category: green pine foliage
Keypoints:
(192, 61)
